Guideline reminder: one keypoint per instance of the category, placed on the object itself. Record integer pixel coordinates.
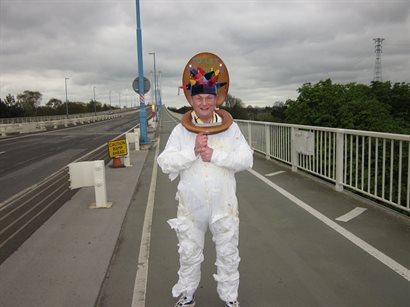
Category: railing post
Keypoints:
(294, 154)
(249, 135)
(267, 141)
(339, 161)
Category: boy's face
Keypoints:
(204, 106)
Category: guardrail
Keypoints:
(31, 127)
(373, 164)
(34, 119)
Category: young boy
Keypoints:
(206, 192)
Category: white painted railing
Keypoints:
(17, 120)
(374, 164)
(371, 163)
(30, 127)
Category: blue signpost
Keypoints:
(144, 139)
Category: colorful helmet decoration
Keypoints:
(206, 73)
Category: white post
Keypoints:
(339, 161)
(294, 153)
(100, 185)
(250, 134)
(267, 141)
(127, 160)
(137, 139)
(88, 174)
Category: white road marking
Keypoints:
(2, 152)
(351, 215)
(391, 263)
(274, 174)
(140, 286)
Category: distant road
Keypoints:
(26, 160)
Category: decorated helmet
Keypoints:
(206, 73)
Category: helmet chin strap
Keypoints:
(227, 121)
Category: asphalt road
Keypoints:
(26, 160)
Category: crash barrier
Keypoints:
(373, 164)
(33, 119)
(38, 126)
(23, 213)
(92, 173)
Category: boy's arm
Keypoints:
(241, 158)
(175, 159)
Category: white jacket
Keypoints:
(211, 183)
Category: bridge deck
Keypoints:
(294, 252)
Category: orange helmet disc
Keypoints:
(204, 63)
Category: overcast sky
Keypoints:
(270, 47)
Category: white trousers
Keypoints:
(191, 226)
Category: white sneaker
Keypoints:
(232, 304)
(184, 302)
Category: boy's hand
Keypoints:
(206, 154)
(201, 142)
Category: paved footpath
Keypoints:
(290, 258)
(294, 252)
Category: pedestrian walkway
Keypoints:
(295, 252)
(291, 255)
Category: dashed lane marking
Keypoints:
(274, 174)
(351, 214)
(389, 262)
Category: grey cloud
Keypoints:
(270, 47)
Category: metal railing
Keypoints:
(374, 164)
(35, 119)
(371, 163)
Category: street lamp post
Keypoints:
(155, 88)
(159, 94)
(95, 108)
(144, 139)
(66, 97)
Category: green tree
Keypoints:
(278, 112)
(54, 103)
(316, 104)
(362, 113)
(397, 98)
(29, 101)
(93, 106)
(231, 101)
(3, 109)
(77, 107)
(252, 112)
(378, 107)
(235, 107)
(10, 108)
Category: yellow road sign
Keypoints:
(117, 148)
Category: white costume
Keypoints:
(206, 195)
